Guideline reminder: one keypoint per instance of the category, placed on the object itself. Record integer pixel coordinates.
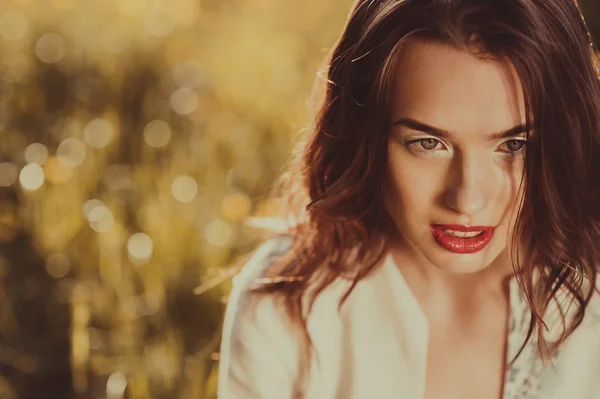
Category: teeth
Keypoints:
(462, 234)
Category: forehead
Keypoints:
(455, 90)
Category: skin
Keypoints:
(467, 178)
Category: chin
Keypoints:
(463, 263)
(458, 266)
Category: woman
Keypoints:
(446, 225)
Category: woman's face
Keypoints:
(455, 156)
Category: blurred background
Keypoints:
(139, 139)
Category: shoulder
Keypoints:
(258, 334)
(260, 261)
(246, 306)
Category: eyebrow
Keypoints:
(434, 131)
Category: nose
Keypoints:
(468, 182)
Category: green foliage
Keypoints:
(136, 142)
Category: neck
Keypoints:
(445, 294)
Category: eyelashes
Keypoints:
(423, 145)
(427, 144)
(431, 146)
(520, 143)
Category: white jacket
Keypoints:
(377, 347)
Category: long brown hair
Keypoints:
(334, 188)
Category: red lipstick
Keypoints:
(462, 245)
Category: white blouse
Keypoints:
(377, 346)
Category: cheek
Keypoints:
(508, 196)
(516, 200)
(410, 186)
(512, 192)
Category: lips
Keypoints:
(452, 237)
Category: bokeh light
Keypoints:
(101, 219)
(184, 101)
(36, 153)
(58, 265)
(218, 233)
(184, 188)
(98, 133)
(90, 205)
(115, 386)
(161, 361)
(72, 152)
(32, 177)
(140, 247)
(50, 48)
(188, 74)
(157, 133)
